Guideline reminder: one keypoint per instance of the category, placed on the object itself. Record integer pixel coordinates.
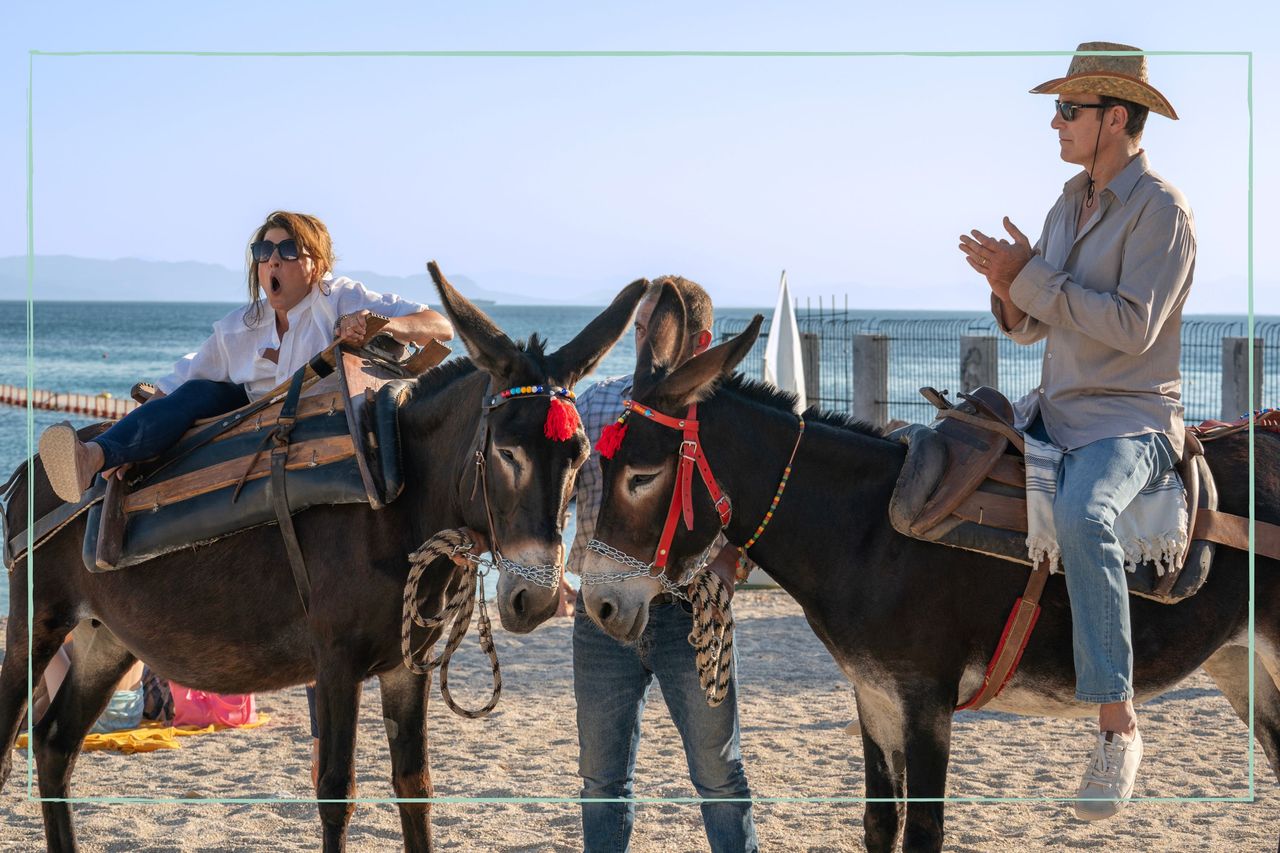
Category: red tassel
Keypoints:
(611, 439)
(562, 420)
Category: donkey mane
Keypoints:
(445, 374)
(763, 394)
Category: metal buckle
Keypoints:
(692, 444)
(727, 512)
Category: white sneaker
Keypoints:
(1107, 783)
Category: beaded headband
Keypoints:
(562, 416)
(529, 391)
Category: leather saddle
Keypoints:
(341, 445)
(964, 479)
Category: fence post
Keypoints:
(979, 362)
(1235, 376)
(811, 361)
(871, 378)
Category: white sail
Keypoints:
(783, 365)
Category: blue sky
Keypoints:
(854, 173)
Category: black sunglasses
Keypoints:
(262, 250)
(1067, 110)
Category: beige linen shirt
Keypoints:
(1108, 302)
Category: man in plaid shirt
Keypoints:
(611, 680)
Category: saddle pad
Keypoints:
(992, 519)
(189, 501)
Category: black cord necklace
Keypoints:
(1088, 193)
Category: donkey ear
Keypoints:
(666, 335)
(694, 380)
(580, 356)
(490, 349)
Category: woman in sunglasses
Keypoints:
(296, 309)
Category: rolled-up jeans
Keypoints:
(157, 425)
(611, 684)
(1095, 483)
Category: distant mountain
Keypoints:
(68, 278)
(63, 277)
(419, 287)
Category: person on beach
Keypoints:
(251, 351)
(125, 710)
(1104, 287)
(611, 680)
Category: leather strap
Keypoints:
(50, 523)
(689, 453)
(483, 476)
(280, 497)
(1015, 437)
(691, 456)
(1013, 642)
(1233, 531)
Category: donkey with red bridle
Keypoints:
(912, 624)
(227, 617)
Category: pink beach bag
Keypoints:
(200, 708)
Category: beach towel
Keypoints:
(148, 737)
(1153, 528)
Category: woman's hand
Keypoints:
(351, 328)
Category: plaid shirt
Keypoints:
(598, 407)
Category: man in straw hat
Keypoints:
(1104, 288)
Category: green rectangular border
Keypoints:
(1252, 797)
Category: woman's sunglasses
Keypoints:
(263, 249)
(1067, 110)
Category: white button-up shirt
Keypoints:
(235, 351)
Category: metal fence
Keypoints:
(927, 352)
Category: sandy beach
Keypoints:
(795, 709)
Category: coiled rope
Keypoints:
(712, 635)
(448, 544)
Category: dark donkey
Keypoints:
(226, 617)
(912, 624)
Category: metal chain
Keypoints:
(640, 569)
(546, 575)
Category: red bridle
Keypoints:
(682, 497)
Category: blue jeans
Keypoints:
(1096, 482)
(611, 684)
(151, 429)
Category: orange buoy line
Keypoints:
(86, 405)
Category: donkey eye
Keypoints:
(638, 480)
(506, 454)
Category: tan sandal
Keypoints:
(67, 461)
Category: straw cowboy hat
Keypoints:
(1123, 77)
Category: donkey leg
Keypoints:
(1229, 667)
(885, 766)
(337, 707)
(404, 710)
(99, 662)
(927, 732)
(48, 636)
